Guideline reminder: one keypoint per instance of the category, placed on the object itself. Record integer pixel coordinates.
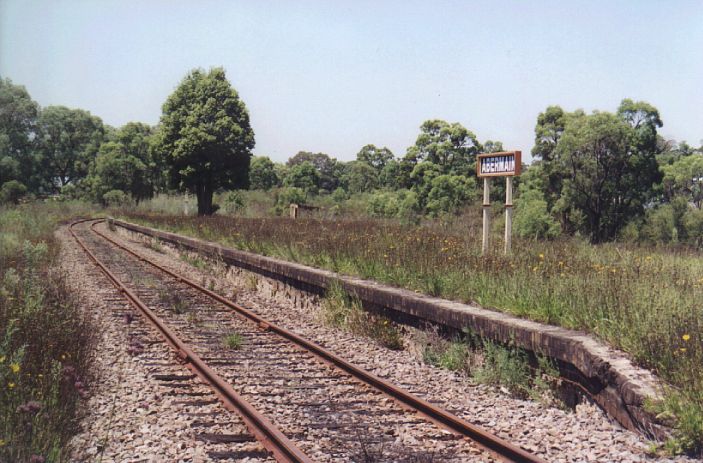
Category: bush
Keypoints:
(532, 219)
(12, 191)
(233, 202)
(667, 223)
(115, 198)
(287, 196)
(693, 224)
(448, 193)
(400, 204)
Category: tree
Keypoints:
(117, 169)
(490, 146)
(548, 131)
(18, 125)
(375, 157)
(359, 177)
(205, 136)
(69, 140)
(685, 178)
(451, 147)
(303, 176)
(448, 193)
(421, 178)
(609, 173)
(262, 174)
(329, 169)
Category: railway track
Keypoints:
(300, 401)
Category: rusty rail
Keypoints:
(282, 448)
(437, 415)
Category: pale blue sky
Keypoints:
(333, 76)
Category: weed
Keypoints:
(233, 341)
(341, 310)
(506, 367)
(155, 245)
(193, 260)
(194, 319)
(45, 339)
(180, 307)
(252, 282)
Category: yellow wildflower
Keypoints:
(686, 337)
(682, 349)
(2, 358)
(10, 385)
(541, 256)
(15, 367)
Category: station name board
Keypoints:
(503, 164)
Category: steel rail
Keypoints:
(442, 417)
(282, 448)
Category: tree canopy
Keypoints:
(205, 136)
(69, 140)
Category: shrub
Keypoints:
(532, 219)
(12, 191)
(448, 193)
(115, 198)
(693, 224)
(402, 204)
(233, 202)
(287, 196)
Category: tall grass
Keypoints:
(645, 301)
(45, 339)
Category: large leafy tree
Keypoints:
(69, 140)
(18, 121)
(609, 171)
(451, 147)
(205, 136)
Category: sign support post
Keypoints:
(508, 214)
(486, 214)
(505, 164)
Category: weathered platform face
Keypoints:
(612, 380)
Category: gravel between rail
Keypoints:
(135, 411)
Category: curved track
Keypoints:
(302, 402)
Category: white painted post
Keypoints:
(486, 212)
(508, 213)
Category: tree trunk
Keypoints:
(204, 193)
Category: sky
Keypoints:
(332, 76)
